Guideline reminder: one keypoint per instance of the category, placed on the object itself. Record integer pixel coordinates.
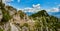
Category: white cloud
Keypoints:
(35, 8)
(28, 9)
(19, 9)
(57, 9)
(18, 1)
(59, 5)
(53, 10)
(6, 1)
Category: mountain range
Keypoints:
(12, 19)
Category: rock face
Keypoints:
(25, 29)
(1, 15)
(11, 10)
(18, 18)
(13, 27)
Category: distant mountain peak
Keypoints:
(40, 13)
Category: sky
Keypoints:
(33, 6)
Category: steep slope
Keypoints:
(46, 20)
(11, 19)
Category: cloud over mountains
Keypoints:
(7, 1)
(35, 8)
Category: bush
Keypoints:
(6, 16)
(25, 24)
(1, 29)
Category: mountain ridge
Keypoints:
(13, 20)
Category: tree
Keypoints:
(6, 16)
(22, 14)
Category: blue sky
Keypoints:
(28, 3)
(51, 6)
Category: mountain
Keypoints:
(12, 19)
(45, 18)
(40, 13)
